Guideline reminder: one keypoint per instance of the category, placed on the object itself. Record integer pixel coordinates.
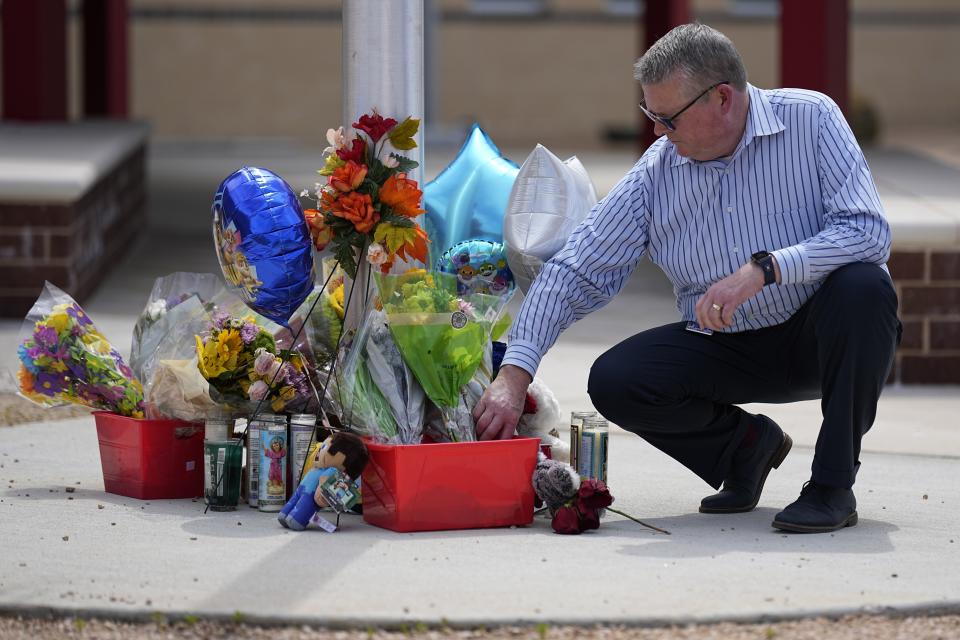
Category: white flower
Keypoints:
(336, 139)
(264, 361)
(390, 162)
(304, 193)
(376, 254)
(157, 309)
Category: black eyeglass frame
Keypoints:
(667, 121)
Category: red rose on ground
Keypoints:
(374, 125)
(594, 494)
(566, 520)
(589, 518)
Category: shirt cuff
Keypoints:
(793, 263)
(523, 354)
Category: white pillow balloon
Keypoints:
(550, 197)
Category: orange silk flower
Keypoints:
(358, 209)
(402, 195)
(416, 249)
(319, 231)
(348, 177)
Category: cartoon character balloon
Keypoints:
(262, 242)
(480, 267)
(467, 200)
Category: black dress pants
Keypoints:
(678, 390)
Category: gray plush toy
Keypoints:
(555, 482)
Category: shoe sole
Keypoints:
(774, 463)
(849, 521)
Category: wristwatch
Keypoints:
(764, 260)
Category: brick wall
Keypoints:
(71, 245)
(928, 284)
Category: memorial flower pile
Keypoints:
(65, 359)
(368, 203)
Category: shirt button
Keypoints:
(729, 209)
(736, 249)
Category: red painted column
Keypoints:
(660, 17)
(105, 58)
(34, 45)
(813, 46)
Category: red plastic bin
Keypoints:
(150, 459)
(463, 485)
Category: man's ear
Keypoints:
(726, 97)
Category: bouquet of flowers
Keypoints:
(357, 398)
(241, 362)
(65, 359)
(325, 322)
(378, 394)
(444, 339)
(368, 203)
(175, 299)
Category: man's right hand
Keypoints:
(498, 411)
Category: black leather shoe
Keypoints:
(741, 490)
(820, 508)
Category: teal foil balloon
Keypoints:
(262, 242)
(468, 199)
(480, 267)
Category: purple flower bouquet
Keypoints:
(65, 359)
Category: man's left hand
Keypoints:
(716, 307)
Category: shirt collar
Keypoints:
(761, 121)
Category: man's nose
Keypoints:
(659, 129)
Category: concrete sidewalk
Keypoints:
(90, 553)
(93, 553)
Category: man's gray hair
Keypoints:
(700, 53)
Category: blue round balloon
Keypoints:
(262, 242)
(468, 199)
(480, 267)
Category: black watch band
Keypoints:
(764, 260)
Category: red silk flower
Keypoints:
(374, 125)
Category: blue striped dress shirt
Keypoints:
(797, 185)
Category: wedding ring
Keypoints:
(716, 307)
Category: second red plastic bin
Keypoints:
(464, 485)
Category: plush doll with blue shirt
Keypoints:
(342, 452)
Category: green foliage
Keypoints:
(401, 136)
(404, 164)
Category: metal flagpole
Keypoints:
(382, 70)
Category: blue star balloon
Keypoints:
(262, 242)
(468, 199)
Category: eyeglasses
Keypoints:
(668, 121)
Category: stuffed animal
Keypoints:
(541, 419)
(341, 452)
(554, 482)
